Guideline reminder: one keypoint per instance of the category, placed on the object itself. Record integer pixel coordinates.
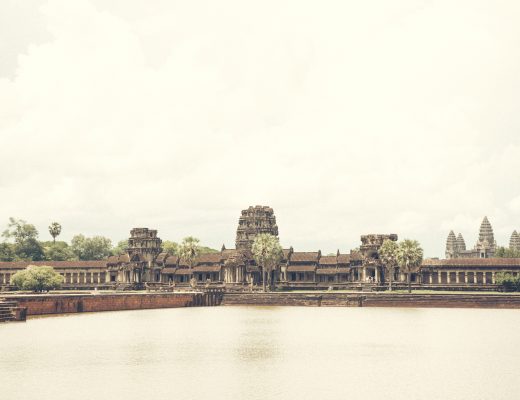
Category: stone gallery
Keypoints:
(144, 264)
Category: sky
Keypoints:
(346, 117)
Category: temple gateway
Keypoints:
(145, 264)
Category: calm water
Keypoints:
(264, 353)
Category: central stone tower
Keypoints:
(254, 220)
(143, 245)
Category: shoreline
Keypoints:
(69, 303)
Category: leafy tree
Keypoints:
(508, 282)
(388, 255)
(267, 253)
(170, 247)
(38, 279)
(58, 251)
(54, 230)
(205, 250)
(94, 248)
(506, 252)
(6, 252)
(188, 250)
(25, 240)
(409, 258)
(120, 248)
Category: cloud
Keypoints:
(346, 119)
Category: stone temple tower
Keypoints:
(461, 244)
(254, 220)
(451, 245)
(486, 244)
(143, 245)
(514, 242)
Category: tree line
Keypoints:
(21, 243)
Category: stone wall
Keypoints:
(61, 304)
(374, 300)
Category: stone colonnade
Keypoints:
(85, 276)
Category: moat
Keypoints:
(264, 353)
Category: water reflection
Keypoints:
(264, 353)
(259, 335)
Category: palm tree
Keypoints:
(409, 258)
(54, 230)
(267, 253)
(388, 255)
(188, 250)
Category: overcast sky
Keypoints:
(346, 117)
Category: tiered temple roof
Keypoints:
(514, 242)
(486, 232)
(253, 221)
(461, 244)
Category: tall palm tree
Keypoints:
(267, 253)
(388, 255)
(409, 258)
(54, 230)
(188, 250)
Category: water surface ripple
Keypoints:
(264, 353)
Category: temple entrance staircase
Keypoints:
(7, 310)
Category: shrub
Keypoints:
(38, 279)
(508, 282)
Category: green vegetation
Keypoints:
(94, 248)
(508, 282)
(267, 253)
(58, 251)
(37, 279)
(188, 250)
(24, 237)
(388, 255)
(173, 248)
(21, 244)
(506, 252)
(170, 247)
(120, 247)
(54, 230)
(409, 258)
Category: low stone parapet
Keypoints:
(376, 299)
(77, 303)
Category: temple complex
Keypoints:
(484, 248)
(144, 264)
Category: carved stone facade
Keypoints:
(253, 221)
(144, 263)
(370, 245)
(484, 248)
(138, 265)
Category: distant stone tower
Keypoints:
(461, 244)
(143, 245)
(254, 220)
(486, 244)
(514, 242)
(451, 245)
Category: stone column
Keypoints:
(493, 278)
(364, 274)
(484, 279)
(465, 277)
(457, 277)
(439, 276)
(431, 277)
(448, 277)
(377, 275)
